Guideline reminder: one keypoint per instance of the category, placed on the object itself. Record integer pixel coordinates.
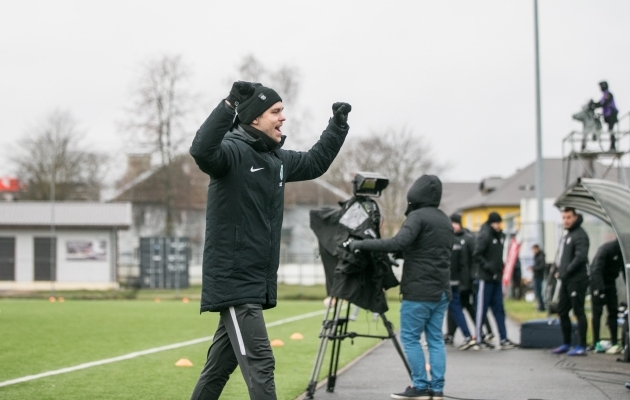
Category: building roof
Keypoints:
(453, 193)
(66, 214)
(521, 185)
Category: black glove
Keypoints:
(355, 246)
(340, 114)
(240, 92)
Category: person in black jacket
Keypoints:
(489, 256)
(607, 264)
(242, 152)
(573, 275)
(425, 240)
(461, 264)
(539, 275)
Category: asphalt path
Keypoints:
(527, 374)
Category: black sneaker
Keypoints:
(489, 339)
(485, 346)
(469, 343)
(506, 344)
(437, 395)
(448, 339)
(413, 393)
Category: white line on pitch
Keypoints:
(144, 352)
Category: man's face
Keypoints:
(535, 250)
(456, 227)
(568, 219)
(496, 226)
(271, 121)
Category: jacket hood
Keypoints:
(577, 223)
(426, 191)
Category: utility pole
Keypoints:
(539, 160)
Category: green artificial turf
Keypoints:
(39, 336)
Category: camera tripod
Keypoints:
(336, 330)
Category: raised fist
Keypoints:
(240, 92)
(340, 114)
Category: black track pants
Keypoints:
(572, 296)
(241, 339)
(610, 301)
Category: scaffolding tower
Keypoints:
(588, 154)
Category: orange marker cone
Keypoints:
(183, 362)
(185, 300)
(277, 343)
(297, 336)
(61, 299)
(52, 299)
(157, 300)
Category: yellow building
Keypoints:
(504, 195)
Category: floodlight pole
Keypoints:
(53, 242)
(539, 160)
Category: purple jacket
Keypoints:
(608, 104)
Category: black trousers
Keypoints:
(241, 339)
(598, 303)
(572, 297)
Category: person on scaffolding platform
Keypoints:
(608, 106)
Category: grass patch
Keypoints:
(40, 336)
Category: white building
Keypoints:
(71, 245)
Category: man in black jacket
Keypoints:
(242, 152)
(607, 264)
(489, 256)
(461, 265)
(573, 275)
(425, 240)
(539, 275)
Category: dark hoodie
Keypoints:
(574, 259)
(606, 266)
(488, 253)
(425, 239)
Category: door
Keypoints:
(7, 258)
(45, 259)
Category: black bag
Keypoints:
(545, 334)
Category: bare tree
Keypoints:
(52, 152)
(397, 154)
(161, 106)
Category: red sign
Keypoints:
(9, 184)
(510, 262)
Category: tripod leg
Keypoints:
(341, 329)
(392, 336)
(327, 329)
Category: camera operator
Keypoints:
(248, 169)
(426, 240)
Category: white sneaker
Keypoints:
(616, 349)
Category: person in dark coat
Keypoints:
(425, 240)
(573, 275)
(605, 269)
(539, 275)
(461, 264)
(489, 256)
(240, 147)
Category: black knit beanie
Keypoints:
(494, 217)
(255, 106)
(457, 218)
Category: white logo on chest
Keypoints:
(254, 170)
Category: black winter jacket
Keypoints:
(489, 253)
(539, 265)
(574, 260)
(607, 264)
(461, 260)
(425, 239)
(245, 206)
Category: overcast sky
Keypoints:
(459, 73)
